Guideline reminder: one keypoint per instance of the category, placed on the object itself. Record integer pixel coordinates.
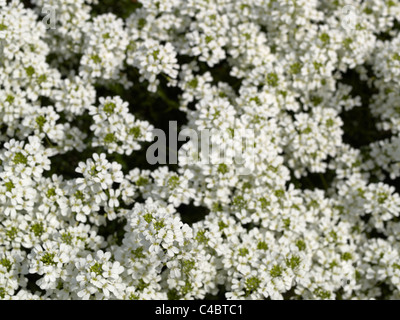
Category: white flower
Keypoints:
(285, 188)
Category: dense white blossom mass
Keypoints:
(279, 68)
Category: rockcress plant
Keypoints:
(277, 69)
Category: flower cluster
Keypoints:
(294, 195)
(116, 129)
